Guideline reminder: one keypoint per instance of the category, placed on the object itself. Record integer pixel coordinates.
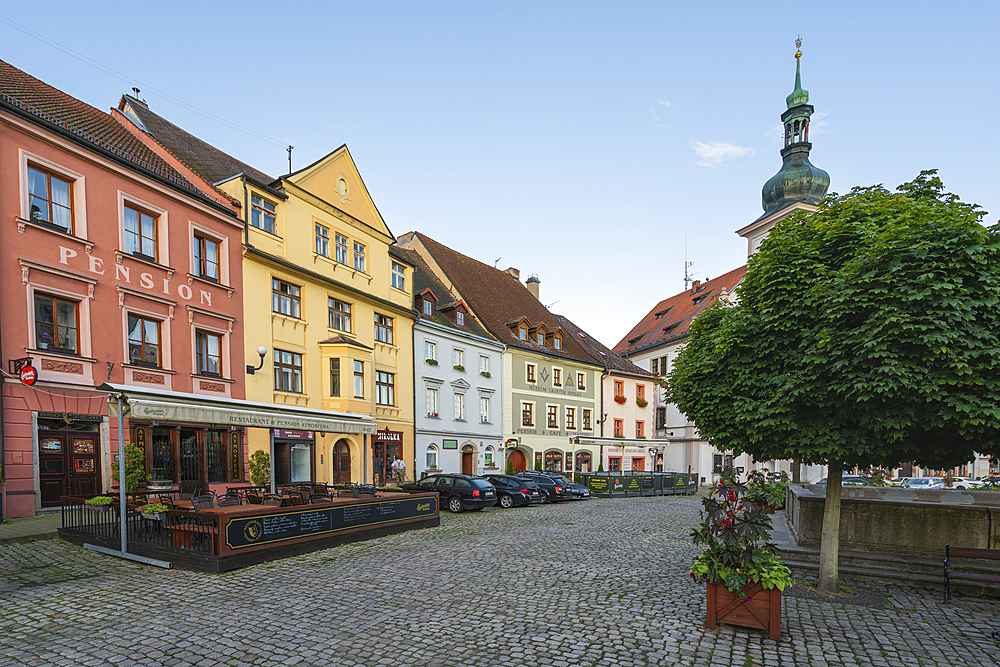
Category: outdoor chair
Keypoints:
(272, 500)
(189, 490)
(230, 500)
(347, 493)
(294, 498)
(253, 496)
(203, 502)
(320, 498)
(365, 489)
(320, 487)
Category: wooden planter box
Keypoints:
(761, 611)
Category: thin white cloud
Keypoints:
(663, 103)
(716, 154)
(657, 121)
(776, 133)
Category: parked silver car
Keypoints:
(923, 483)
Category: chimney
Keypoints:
(514, 273)
(533, 284)
(695, 286)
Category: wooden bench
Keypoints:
(965, 552)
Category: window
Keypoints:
(432, 402)
(287, 371)
(460, 406)
(558, 343)
(428, 308)
(523, 333)
(140, 232)
(208, 355)
(540, 339)
(359, 256)
(614, 464)
(206, 257)
(432, 457)
(619, 428)
(580, 384)
(619, 389)
(661, 417)
(56, 324)
(484, 409)
(721, 462)
(215, 453)
(284, 298)
(640, 392)
(654, 366)
(640, 429)
(359, 379)
(484, 364)
(143, 341)
(385, 388)
(322, 240)
(383, 329)
(527, 414)
(552, 420)
(341, 248)
(663, 365)
(570, 418)
(430, 350)
(458, 359)
(263, 214)
(530, 374)
(398, 276)
(460, 318)
(50, 199)
(335, 377)
(556, 377)
(586, 419)
(340, 314)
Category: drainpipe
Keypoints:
(246, 215)
(122, 509)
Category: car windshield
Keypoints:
(481, 483)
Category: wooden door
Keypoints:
(84, 466)
(282, 463)
(341, 463)
(639, 463)
(468, 461)
(517, 456)
(53, 473)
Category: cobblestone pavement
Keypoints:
(599, 582)
(42, 527)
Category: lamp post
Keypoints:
(262, 351)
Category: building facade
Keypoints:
(115, 269)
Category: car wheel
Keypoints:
(456, 505)
(960, 488)
(506, 501)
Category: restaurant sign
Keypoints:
(244, 533)
(209, 414)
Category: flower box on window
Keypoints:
(459, 367)
(641, 402)
(620, 400)
(432, 362)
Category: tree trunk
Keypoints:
(829, 547)
(796, 471)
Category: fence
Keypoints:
(610, 485)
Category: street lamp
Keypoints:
(262, 351)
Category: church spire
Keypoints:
(797, 180)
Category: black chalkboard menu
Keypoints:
(597, 484)
(633, 484)
(306, 521)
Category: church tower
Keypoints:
(798, 185)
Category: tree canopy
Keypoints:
(867, 333)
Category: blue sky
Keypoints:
(579, 141)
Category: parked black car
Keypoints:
(458, 492)
(555, 490)
(575, 491)
(513, 491)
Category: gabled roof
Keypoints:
(423, 280)
(603, 355)
(670, 319)
(27, 96)
(496, 297)
(202, 158)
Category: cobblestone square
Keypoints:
(601, 583)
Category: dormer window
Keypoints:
(523, 333)
(541, 339)
(428, 308)
(558, 343)
(460, 318)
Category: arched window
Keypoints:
(432, 456)
(583, 462)
(553, 461)
(489, 461)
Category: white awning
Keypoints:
(617, 442)
(179, 407)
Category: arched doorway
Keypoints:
(468, 460)
(341, 463)
(553, 461)
(517, 456)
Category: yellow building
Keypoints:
(327, 295)
(332, 302)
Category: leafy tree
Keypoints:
(866, 333)
(260, 468)
(135, 468)
(510, 465)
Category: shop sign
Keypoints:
(389, 437)
(449, 444)
(286, 434)
(28, 375)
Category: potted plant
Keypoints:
(641, 402)
(432, 362)
(743, 577)
(620, 400)
(459, 367)
(260, 468)
(767, 489)
(155, 511)
(486, 374)
(99, 503)
(135, 468)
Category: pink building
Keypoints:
(114, 268)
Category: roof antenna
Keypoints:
(688, 277)
(497, 260)
(289, 149)
(136, 91)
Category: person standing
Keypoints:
(400, 470)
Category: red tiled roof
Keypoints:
(89, 125)
(496, 297)
(602, 354)
(671, 318)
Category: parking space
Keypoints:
(598, 582)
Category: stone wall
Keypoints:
(904, 522)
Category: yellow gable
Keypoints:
(335, 180)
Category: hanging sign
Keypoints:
(28, 375)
